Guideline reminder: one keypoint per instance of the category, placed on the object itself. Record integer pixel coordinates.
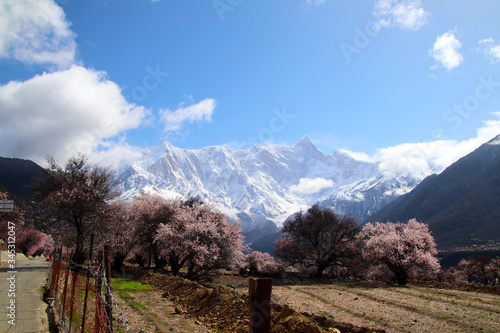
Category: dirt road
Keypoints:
(21, 306)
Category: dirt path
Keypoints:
(397, 309)
(149, 311)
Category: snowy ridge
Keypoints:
(267, 182)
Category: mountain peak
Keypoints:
(495, 141)
(362, 157)
(304, 142)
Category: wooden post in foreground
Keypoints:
(109, 299)
(87, 284)
(259, 292)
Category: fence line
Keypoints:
(72, 291)
(81, 298)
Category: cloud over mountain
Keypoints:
(312, 185)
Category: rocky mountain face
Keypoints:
(264, 185)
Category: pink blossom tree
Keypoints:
(477, 268)
(260, 262)
(493, 271)
(32, 242)
(120, 231)
(77, 194)
(28, 240)
(148, 213)
(318, 240)
(406, 250)
(198, 236)
(466, 271)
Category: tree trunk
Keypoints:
(149, 257)
(118, 260)
(175, 267)
(156, 258)
(319, 271)
(160, 263)
(190, 273)
(401, 276)
(79, 256)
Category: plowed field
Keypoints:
(395, 308)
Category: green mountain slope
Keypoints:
(16, 174)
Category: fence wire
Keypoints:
(79, 295)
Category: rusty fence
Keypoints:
(80, 296)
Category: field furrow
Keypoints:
(397, 309)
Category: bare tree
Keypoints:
(318, 240)
(77, 194)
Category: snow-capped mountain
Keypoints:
(268, 182)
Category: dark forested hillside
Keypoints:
(15, 174)
(461, 205)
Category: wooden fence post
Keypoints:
(59, 258)
(259, 292)
(87, 283)
(72, 299)
(98, 286)
(109, 298)
(63, 309)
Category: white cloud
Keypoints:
(60, 113)
(405, 14)
(490, 49)
(446, 51)
(202, 111)
(411, 159)
(312, 185)
(36, 32)
(423, 159)
(118, 155)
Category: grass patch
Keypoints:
(131, 300)
(125, 295)
(128, 284)
(441, 316)
(136, 305)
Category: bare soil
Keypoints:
(220, 304)
(159, 314)
(397, 309)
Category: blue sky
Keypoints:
(400, 80)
